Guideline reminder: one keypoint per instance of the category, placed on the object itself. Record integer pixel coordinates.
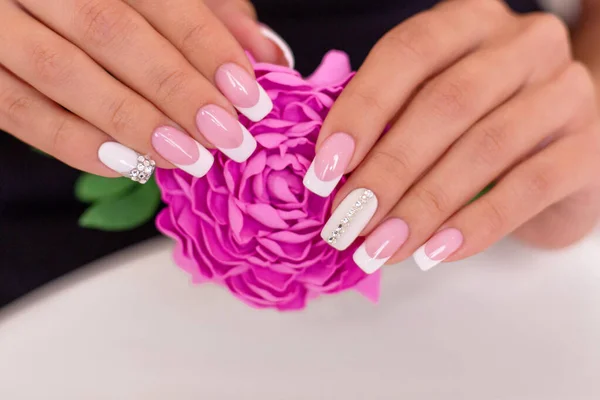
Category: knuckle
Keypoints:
(433, 197)
(449, 98)
(539, 184)
(414, 40)
(104, 23)
(551, 29)
(121, 118)
(61, 137)
(16, 106)
(52, 63)
(394, 164)
(168, 84)
(193, 35)
(369, 102)
(490, 142)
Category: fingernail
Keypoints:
(329, 164)
(225, 132)
(441, 246)
(242, 90)
(279, 42)
(183, 151)
(350, 218)
(126, 161)
(381, 245)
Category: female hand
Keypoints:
(472, 94)
(87, 81)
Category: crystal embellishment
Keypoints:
(143, 170)
(350, 214)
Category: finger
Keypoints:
(69, 77)
(208, 45)
(43, 124)
(395, 68)
(239, 16)
(558, 171)
(488, 150)
(124, 43)
(439, 114)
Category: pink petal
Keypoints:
(266, 215)
(334, 68)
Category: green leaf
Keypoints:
(90, 188)
(36, 150)
(483, 192)
(123, 213)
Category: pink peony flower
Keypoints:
(253, 227)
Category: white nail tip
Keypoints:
(367, 263)
(424, 262)
(349, 219)
(282, 44)
(261, 109)
(202, 165)
(317, 186)
(245, 150)
(117, 157)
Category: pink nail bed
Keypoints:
(219, 127)
(334, 156)
(381, 245)
(441, 246)
(181, 150)
(237, 85)
(384, 241)
(175, 146)
(329, 164)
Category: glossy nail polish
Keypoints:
(329, 164)
(126, 162)
(350, 218)
(381, 245)
(183, 151)
(441, 246)
(243, 91)
(225, 132)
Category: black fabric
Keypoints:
(39, 236)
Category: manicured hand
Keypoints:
(97, 83)
(472, 94)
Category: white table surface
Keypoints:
(510, 324)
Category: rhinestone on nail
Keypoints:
(143, 170)
(345, 222)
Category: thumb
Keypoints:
(239, 16)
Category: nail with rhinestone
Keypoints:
(348, 220)
(127, 162)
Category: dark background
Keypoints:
(39, 236)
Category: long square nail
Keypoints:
(243, 91)
(441, 246)
(329, 164)
(183, 151)
(381, 245)
(350, 218)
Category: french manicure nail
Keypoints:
(225, 132)
(350, 218)
(243, 91)
(183, 151)
(329, 164)
(381, 245)
(279, 42)
(126, 161)
(441, 246)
